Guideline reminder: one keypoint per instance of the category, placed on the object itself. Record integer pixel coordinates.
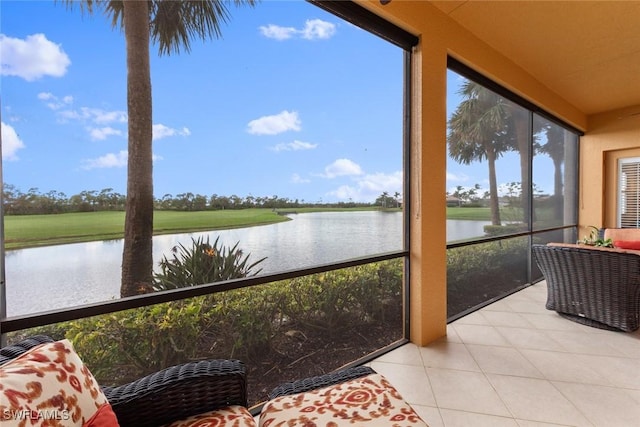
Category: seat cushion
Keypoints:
(370, 400)
(627, 244)
(237, 416)
(50, 385)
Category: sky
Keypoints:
(291, 102)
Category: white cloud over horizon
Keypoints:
(297, 179)
(342, 167)
(110, 160)
(370, 186)
(11, 142)
(293, 146)
(275, 124)
(314, 29)
(32, 58)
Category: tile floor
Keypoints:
(516, 364)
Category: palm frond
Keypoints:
(175, 23)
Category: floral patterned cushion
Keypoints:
(368, 400)
(231, 416)
(50, 386)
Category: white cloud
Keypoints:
(32, 58)
(297, 179)
(293, 146)
(277, 32)
(100, 134)
(379, 182)
(313, 29)
(102, 117)
(44, 96)
(10, 142)
(318, 29)
(161, 131)
(342, 167)
(370, 186)
(457, 177)
(273, 125)
(110, 160)
(94, 115)
(54, 102)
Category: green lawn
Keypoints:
(474, 214)
(40, 230)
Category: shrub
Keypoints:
(128, 344)
(241, 323)
(202, 263)
(483, 271)
(337, 299)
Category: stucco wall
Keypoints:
(440, 36)
(609, 137)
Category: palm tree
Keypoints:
(555, 149)
(172, 24)
(477, 132)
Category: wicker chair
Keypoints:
(599, 288)
(168, 395)
(313, 383)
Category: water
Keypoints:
(53, 277)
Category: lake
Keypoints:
(53, 277)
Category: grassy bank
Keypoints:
(473, 214)
(23, 231)
(41, 230)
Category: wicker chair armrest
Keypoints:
(12, 351)
(179, 392)
(320, 381)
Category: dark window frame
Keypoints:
(350, 12)
(466, 71)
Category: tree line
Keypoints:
(16, 202)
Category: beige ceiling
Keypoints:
(588, 52)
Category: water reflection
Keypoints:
(52, 277)
(60, 276)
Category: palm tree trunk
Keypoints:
(494, 202)
(521, 124)
(558, 202)
(137, 260)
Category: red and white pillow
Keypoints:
(49, 385)
(235, 416)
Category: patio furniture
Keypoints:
(354, 396)
(43, 378)
(211, 389)
(598, 287)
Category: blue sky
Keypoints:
(292, 101)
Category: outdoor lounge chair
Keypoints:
(598, 287)
(39, 372)
(166, 396)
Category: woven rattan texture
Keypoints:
(179, 392)
(596, 288)
(168, 395)
(320, 381)
(12, 351)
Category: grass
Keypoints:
(22, 231)
(473, 214)
(483, 213)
